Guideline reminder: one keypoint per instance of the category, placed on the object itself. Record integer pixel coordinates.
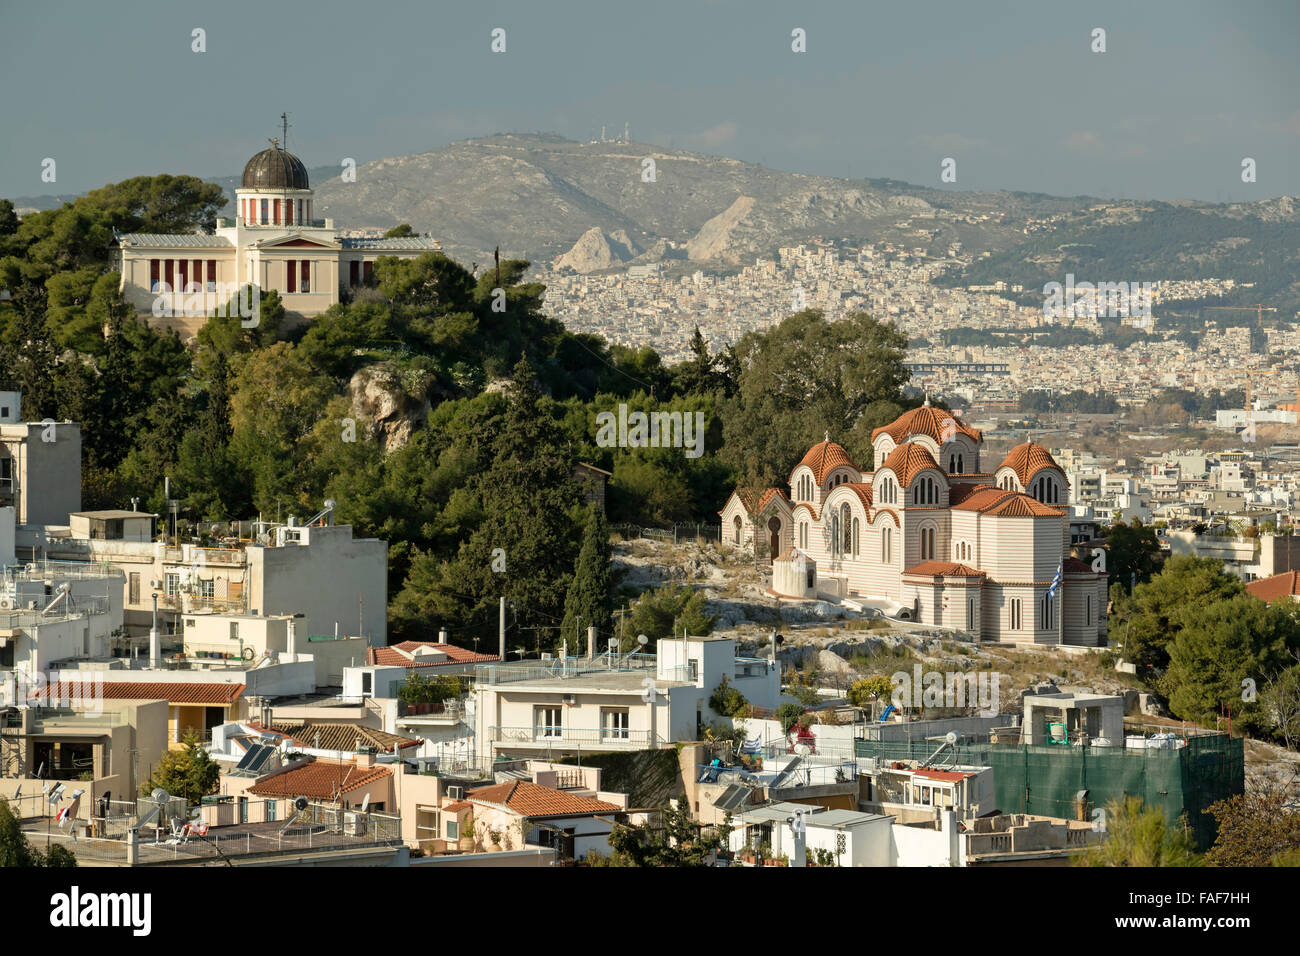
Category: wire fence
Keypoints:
(679, 533)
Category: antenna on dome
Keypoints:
(284, 129)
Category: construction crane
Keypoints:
(1259, 310)
(1250, 376)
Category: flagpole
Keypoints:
(1060, 610)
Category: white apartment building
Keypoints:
(613, 702)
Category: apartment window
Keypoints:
(693, 669)
(271, 806)
(243, 809)
(614, 723)
(367, 683)
(453, 829)
(924, 796)
(1015, 614)
(134, 588)
(547, 723)
(234, 630)
(171, 583)
(207, 588)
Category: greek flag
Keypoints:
(1056, 581)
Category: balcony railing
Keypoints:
(544, 736)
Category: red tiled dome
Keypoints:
(823, 457)
(1027, 460)
(926, 420)
(907, 460)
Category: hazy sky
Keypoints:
(1010, 90)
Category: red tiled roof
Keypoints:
(1027, 460)
(346, 736)
(1003, 503)
(926, 420)
(533, 800)
(908, 460)
(862, 490)
(174, 692)
(1279, 585)
(946, 569)
(392, 655)
(458, 806)
(959, 491)
(320, 779)
(748, 497)
(1075, 566)
(824, 457)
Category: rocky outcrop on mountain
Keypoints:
(713, 241)
(383, 409)
(596, 251)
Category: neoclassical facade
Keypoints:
(272, 242)
(928, 531)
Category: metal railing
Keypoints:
(565, 667)
(571, 736)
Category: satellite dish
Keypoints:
(951, 737)
(300, 803)
(365, 804)
(642, 640)
(159, 795)
(330, 503)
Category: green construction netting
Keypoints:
(1046, 780)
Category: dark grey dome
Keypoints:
(275, 168)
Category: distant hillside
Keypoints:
(586, 207)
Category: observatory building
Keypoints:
(273, 242)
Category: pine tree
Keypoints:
(588, 601)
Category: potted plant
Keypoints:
(466, 842)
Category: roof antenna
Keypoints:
(284, 129)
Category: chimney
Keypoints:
(155, 643)
(591, 642)
(442, 635)
(293, 637)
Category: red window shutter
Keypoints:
(306, 275)
(196, 270)
(184, 269)
(292, 272)
(277, 212)
(354, 273)
(212, 270)
(154, 269)
(368, 270)
(288, 212)
(169, 273)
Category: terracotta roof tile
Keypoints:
(945, 569)
(319, 779)
(1027, 460)
(1005, 504)
(337, 736)
(926, 420)
(908, 460)
(175, 692)
(824, 457)
(403, 655)
(533, 800)
(1279, 585)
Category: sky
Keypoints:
(1011, 91)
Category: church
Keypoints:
(273, 241)
(929, 537)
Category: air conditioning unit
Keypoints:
(456, 793)
(6, 604)
(568, 700)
